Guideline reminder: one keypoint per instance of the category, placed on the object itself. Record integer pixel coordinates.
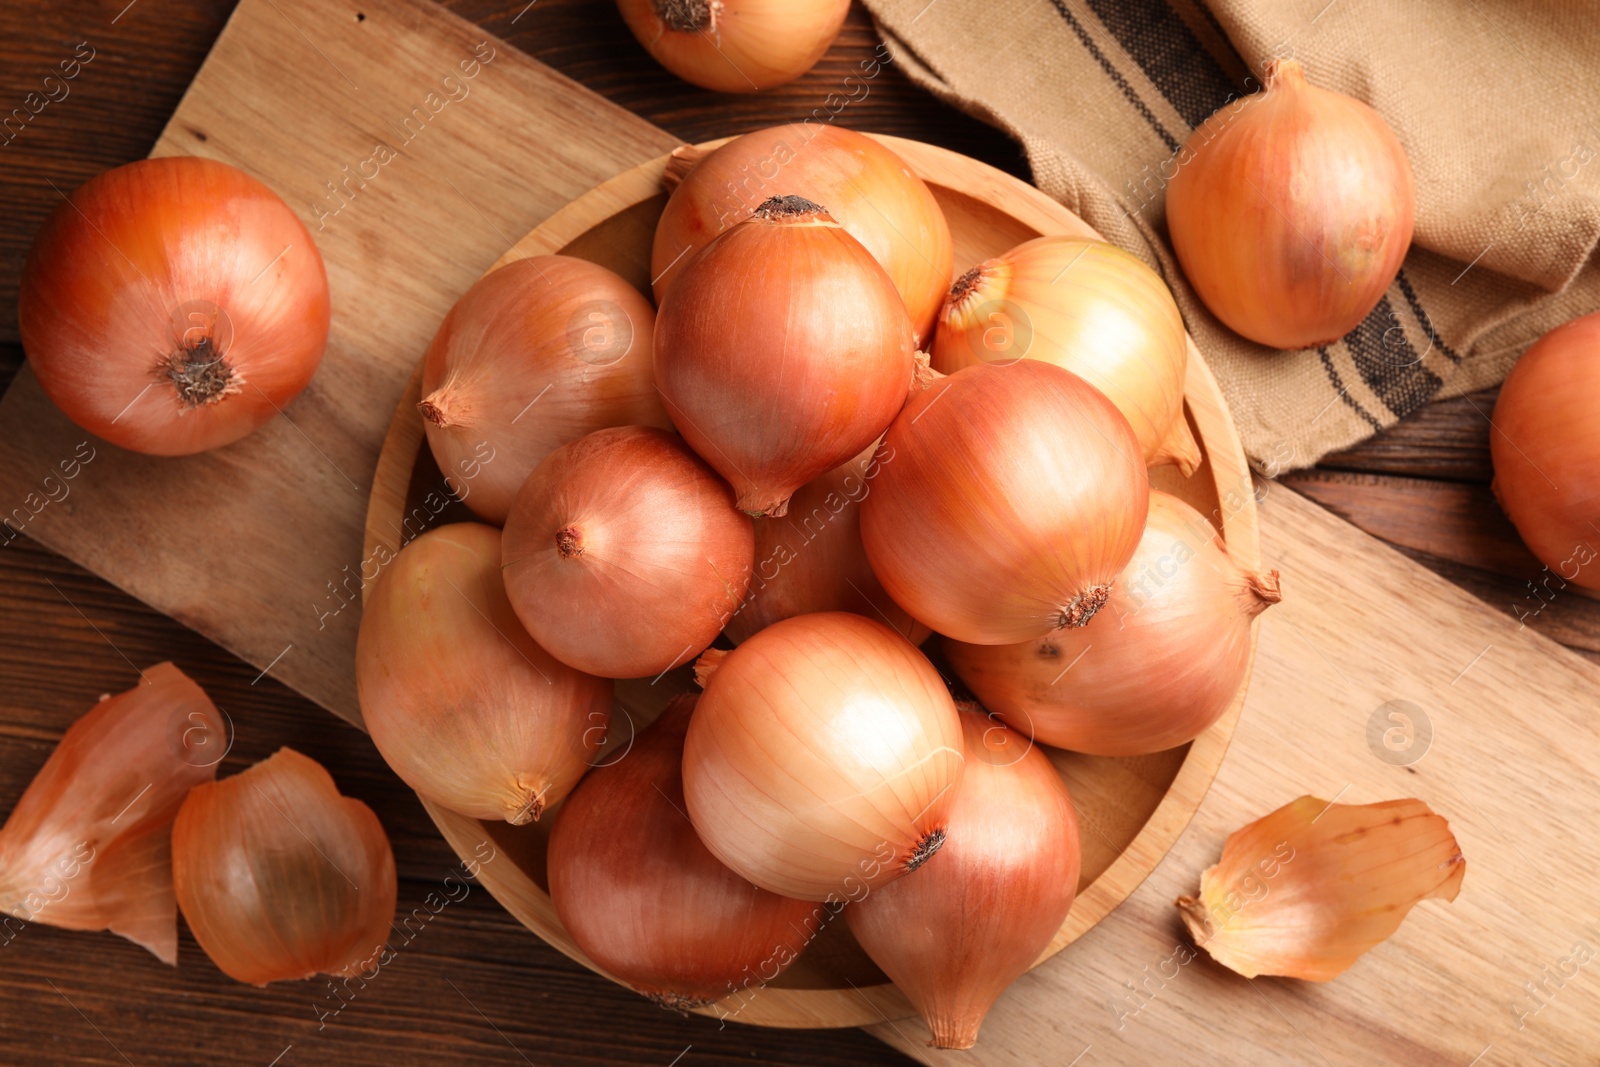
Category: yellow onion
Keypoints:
(1168, 655)
(864, 184)
(782, 351)
(735, 46)
(981, 912)
(88, 847)
(624, 555)
(1291, 211)
(1091, 308)
(535, 355)
(1305, 891)
(280, 877)
(645, 899)
(822, 758)
(812, 559)
(1016, 495)
(1545, 444)
(467, 708)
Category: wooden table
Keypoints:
(474, 987)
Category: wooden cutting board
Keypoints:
(258, 547)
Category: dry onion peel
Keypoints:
(864, 185)
(280, 877)
(535, 355)
(735, 46)
(88, 845)
(463, 705)
(1304, 891)
(982, 911)
(823, 757)
(1168, 656)
(1092, 309)
(644, 898)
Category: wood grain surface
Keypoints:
(72, 998)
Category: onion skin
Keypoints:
(735, 46)
(280, 877)
(812, 560)
(1016, 495)
(823, 758)
(1291, 211)
(982, 911)
(645, 899)
(1167, 656)
(535, 355)
(863, 183)
(463, 705)
(1090, 308)
(782, 351)
(1546, 449)
(624, 555)
(173, 268)
(88, 847)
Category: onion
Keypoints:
(280, 877)
(983, 910)
(1016, 495)
(1088, 307)
(646, 900)
(88, 847)
(735, 46)
(1168, 657)
(812, 559)
(460, 701)
(624, 555)
(1291, 211)
(535, 355)
(782, 351)
(173, 305)
(865, 185)
(822, 758)
(1546, 449)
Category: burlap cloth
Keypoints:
(1497, 104)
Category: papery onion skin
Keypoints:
(88, 847)
(978, 915)
(644, 898)
(1291, 211)
(280, 877)
(1545, 444)
(735, 46)
(535, 355)
(1305, 891)
(1090, 308)
(624, 555)
(1168, 654)
(823, 758)
(461, 702)
(782, 351)
(173, 305)
(1016, 497)
(861, 181)
(812, 560)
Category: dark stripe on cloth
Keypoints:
(1422, 317)
(1344, 394)
(1170, 55)
(1393, 371)
(1172, 143)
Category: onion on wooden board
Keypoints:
(735, 46)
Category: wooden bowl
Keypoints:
(1131, 809)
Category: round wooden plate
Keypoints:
(1131, 809)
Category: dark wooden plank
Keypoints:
(1448, 439)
